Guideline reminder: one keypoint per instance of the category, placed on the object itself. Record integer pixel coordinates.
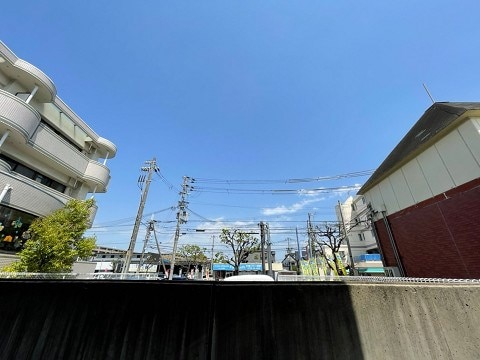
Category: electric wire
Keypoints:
(286, 181)
(313, 191)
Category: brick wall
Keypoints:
(439, 237)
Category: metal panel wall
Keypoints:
(401, 189)
(437, 175)
(470, 133)
(417, 182)
(458, 159)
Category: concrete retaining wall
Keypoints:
(216, 320)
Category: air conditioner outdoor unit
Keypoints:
(391, 271)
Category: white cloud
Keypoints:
(282, 209)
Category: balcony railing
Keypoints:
(367, 257)
(49, 143)
(18, 114)
(31, 196)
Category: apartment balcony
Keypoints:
(27, 74)
(369, 264)
(68, 157)
(28, 195)
(47, 90)
(367, 258)
(18, 115)
(47, 142)
(98, 174)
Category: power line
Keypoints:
(285, 181)
(323, 190)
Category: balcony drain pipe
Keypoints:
(4, 137)
(394, 245)
(106, 158)
(4, 192)
(32, 94)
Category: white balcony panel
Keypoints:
(108, 147)
(27, 74)
(98, 174)
(40, 76)
(30, 196)
(17, 114)
(53, 146)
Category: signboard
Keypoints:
(242, 267)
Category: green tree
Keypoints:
(193, 255)
(220, 258)
(241, 243)
(56, 240)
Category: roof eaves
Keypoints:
(431, 125)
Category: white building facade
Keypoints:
(48, 154)
(360, 246)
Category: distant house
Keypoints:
(256, 256)
(424, 198)
(111, 260)
(360, 240)
(290, 262)
(353, 213)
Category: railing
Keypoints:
(375, 279)
(70, 276)
(42, 276)
(117, 276)
(281, 278)
(367, 257)
(17, 114)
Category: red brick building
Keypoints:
(424, 198)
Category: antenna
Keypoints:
(428, 92)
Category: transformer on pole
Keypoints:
(150, 169)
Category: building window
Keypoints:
(61, 135)
(361, 237)
(14, 226)
(32, 174)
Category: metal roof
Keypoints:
(434, 121)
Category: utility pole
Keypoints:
(269, 252)
(299, 257)
(147, 238)
(182, 217)
(159, 252)
(152, 167)
(352, 265)
(211, 259)
(310, 237)
(262, 245)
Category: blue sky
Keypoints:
(245, 90)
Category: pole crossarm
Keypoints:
(150, 169)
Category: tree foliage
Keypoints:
(241, 243)
(194, 255)
(56, 240)
(220, 258)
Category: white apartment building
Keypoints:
(48, 154)
(353, 214)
